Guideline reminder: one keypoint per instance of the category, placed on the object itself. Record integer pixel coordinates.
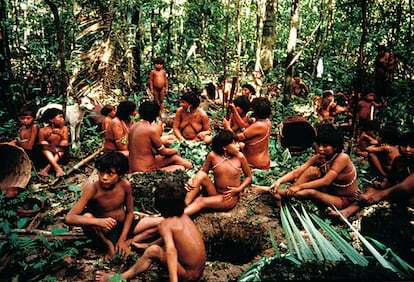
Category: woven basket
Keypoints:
(15, 167)
(296, 134)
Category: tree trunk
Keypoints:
(261, 11)
(226, 37)
(61, 50)
(239, 43)
(169, 42)
(269, 35)
(293, 34)
(136, 50)
(6, 74)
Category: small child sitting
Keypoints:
(54, 141)
(227, 164)
(367, 138)
(239, 119)
(106, 208)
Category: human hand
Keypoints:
(230, 193)
(292, 190)
(107, 223)
(226, 123)
(122, 248)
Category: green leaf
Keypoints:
(21, 222)
(56, 230)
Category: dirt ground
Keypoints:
(236, 239)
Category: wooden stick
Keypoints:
(47, 234)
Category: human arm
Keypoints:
(158, 144)
(166, 82)
(64, 141)
(177, 123)
(171, 251)
(151, 81)
(206, 129)
(121, 247)
(121, 139)
(75, 215)
(242, 124)
(29, 142)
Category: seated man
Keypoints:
(146, 149)
(191, 122)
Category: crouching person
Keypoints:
(183, 252)
(105, 208)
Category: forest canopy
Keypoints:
(105, 48)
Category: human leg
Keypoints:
(216, 202)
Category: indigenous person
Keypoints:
(256, 136)
(158, 82)
(239, 120)
(248, 91)
(328, 177)
(54, 141)
(298, 86)
(28, 132)
(366, 109)
(183, 251)
(191, 122)
(116, 134)
(228, 164)
(106, 211)
(397, 187)
(146, 149)
(108, 112)
(367, 138)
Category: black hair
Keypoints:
(107, 109)
(158, 60)
(125, 110)
(381, 47)
(169, 198)
(110, 160)
(27, 110)
(50, 113)
(211, 90)
(192, 98)
(222, 138)
(328, 134)
(149, 110)
(389, 134)
(243, 102)
(261, 107)
(327, 93)
(250, 87)
(407, 139)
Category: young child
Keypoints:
(298, 87)
(398, 186)
(239, 119)
(116, 134)
(146, 149)
(54, 141)
(191, 122)
(256, 136)
(327, 106)
(367, 138)
(28, 132)
(382, 154)
(227, 164)
(366, 108)
(158, 82)
(106, 209)
(329, 176)
(108, 112)
(183, 252)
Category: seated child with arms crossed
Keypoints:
(329, 176)
(227, 164)
(106, 208)
(54, 141)
(183, 252)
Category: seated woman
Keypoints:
(328, 177)
(397, 187)
(228, 164)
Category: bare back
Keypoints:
(182, 233)
(144, 140)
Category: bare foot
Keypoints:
(372, 196)
(278, 199)
(60, 173)
(111, 251)
(103, 276)
(44, 172)
(257, 189)
(330, 211)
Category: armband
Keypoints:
(161, 147)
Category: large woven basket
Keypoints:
(296, 134)
(15, 167)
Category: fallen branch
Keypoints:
(47, 234)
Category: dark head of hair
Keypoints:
(261, 107)
(112, 160)
(250, 87)
(50, 113)
(191, 98)
(107, 109)
(222, 138)
(389, 134)
(125, 110)
(381, 47)
(296, 75)
(243, 102)
(158, 60)
(27, 110)
(149, 110)
(211, 90)
(407, 139)
(328, 134)
(169, 198)
(221, 79)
